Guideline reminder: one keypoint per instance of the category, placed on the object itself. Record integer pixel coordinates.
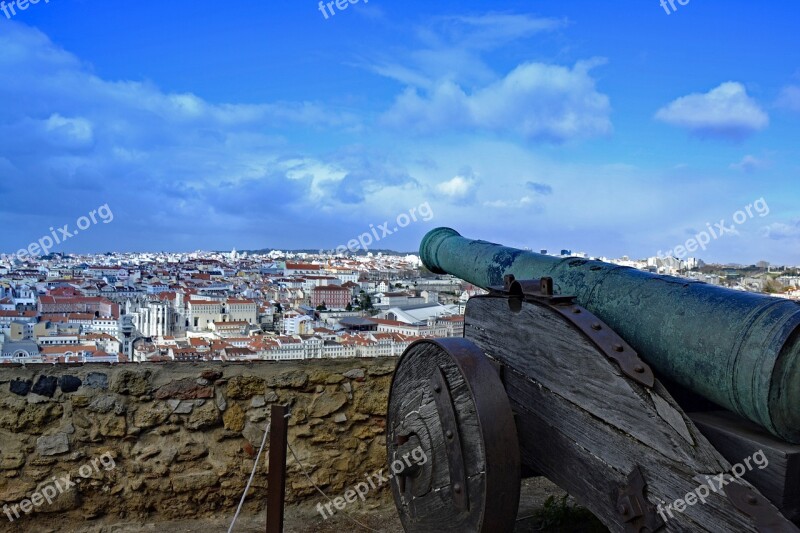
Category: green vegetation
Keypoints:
(364, 301)
(558, 515)
(772, 287)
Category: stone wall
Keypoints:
(179, 440)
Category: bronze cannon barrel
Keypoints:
(740, 350)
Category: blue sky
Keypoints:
(606, 127)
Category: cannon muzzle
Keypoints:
(740, 350)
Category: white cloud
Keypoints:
(536, 100)
(782, 231)
(525, 201)
(457, 188)
(449, 85)
(70, 132)
(492, 30)
(748, 164)
(450, 49)
(724, 112)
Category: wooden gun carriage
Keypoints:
(560, 373)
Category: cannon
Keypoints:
(632, 391)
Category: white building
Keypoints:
(153, 318)
(203, 313)
(296, 324)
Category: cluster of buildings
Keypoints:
(781, 281)
(212, 306)
(138, 307)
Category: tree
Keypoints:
(366, 303)
(278, 308)
(322, 307)
(349, 307)
(772, 286)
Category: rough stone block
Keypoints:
(204, 417)
(234, 418)
(292, 379)
(97, 380)
(184, 389)
(45, 386)
(327, 403)
(69, 383)
(356, 373)
(52, 444)
(194, 481)
(20, 387)
(135, 383)
(245, 387)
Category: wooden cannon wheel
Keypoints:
(451, 441)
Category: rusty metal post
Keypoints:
(276, 479)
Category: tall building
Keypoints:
(333, 296)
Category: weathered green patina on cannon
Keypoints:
(737, 349)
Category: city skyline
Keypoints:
(310, 254)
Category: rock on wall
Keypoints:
(179, 440)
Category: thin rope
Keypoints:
(252, 475)
(305, 473)
(302, 469)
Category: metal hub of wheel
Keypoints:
(451, 441)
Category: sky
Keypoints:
(611, 128)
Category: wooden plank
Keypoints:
(672, 417)
(585, 426)
(737, 438)
(591, 460)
